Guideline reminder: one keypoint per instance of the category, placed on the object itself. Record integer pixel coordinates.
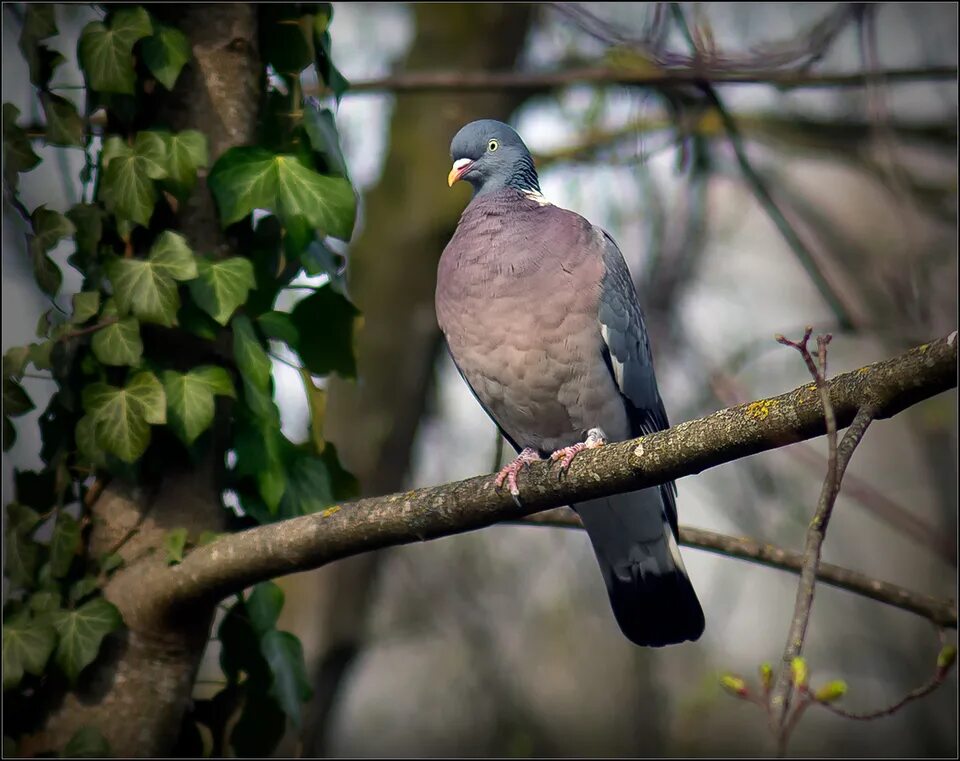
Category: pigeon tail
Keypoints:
(652, 597)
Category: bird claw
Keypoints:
(595, 438)
(509, 472)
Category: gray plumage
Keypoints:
(542, 320)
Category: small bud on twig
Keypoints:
(948, 654)
(831, 691)
(766, 675)
(798, 670)
(734, 685)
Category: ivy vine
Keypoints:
(165, 352)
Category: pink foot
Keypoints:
(595, 438)
(509, 472)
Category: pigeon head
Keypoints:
(491, 156)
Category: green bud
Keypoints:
(831, 691)
(766, 675)
(946, 658)
(798, 669)
(734, 685)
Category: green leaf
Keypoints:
(222, 286)
(64, 544)
(263, 606)
(143, 289)
(39, 24)
(21, 518)
(110, 562)
(165, 53)
(18, 155)
(206, 537)
(16, 402)
(125, 186)
(334, 353)
(279, 326)
(22, 557)
(122, 416)
(9, 434)
(309, 489)
(329, 73)
(188, 152)
(174, 543)
(288, 46)
(44, 602)
(119, 343)
(46, 273)
(85, 305)
(290, 687)
(83, 588)
(85, 436)
(87, 742)
(40, 355)
(106, 54)
(87, 220)
(245, 178)
(172, 256)
(252, 360)
(50, 227)
(151, 150)
(64, 125)
(27, 645)
(321, 127)
(317, 403)
(240, 647)
(81, 632)
(15, 360)
(190, 398)
(260, 727)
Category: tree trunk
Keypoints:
(142, 682)
(410, 216)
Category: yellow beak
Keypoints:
(460, 168)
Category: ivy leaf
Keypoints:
(50, 227)
(288, 47)
(260, 727)
(125, 186)
(9, 434)
(174, 543)
(45, 602)
(16, 401)
(325, 68)
(106, 53)
(63, 544)
(63, 124)
(87, 742)
(119, 343)
(290, 687)
(122, 416)
(222, 286)
(279, 326)
(27, 645)
(252, 360)
(330, 309)
(151, 150)
(142, 289)
(240, 649)
(15, 360)
(18, 155)
(245, 178)
(263, 607)
(317, 402)
(40, 355)
(83, 588)
(190, 398)
(172, 256)
(81, 632)
(87, 220)
(45, 271)
(308, 485)
(147, 288)
(85, 305)
(188, 152)
(86, 439)
(165, 53)
(22, 557)
(321, 127)
(39, 24)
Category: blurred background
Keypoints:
(828, 205)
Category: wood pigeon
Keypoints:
(542, 321)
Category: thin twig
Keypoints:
(837, 461)
(92, 329)
(941, 612)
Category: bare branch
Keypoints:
(236, 561)
(940, 611)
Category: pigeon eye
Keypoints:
(493, 145)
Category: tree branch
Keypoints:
(239, 560)
(497, 81)
(940, 611)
